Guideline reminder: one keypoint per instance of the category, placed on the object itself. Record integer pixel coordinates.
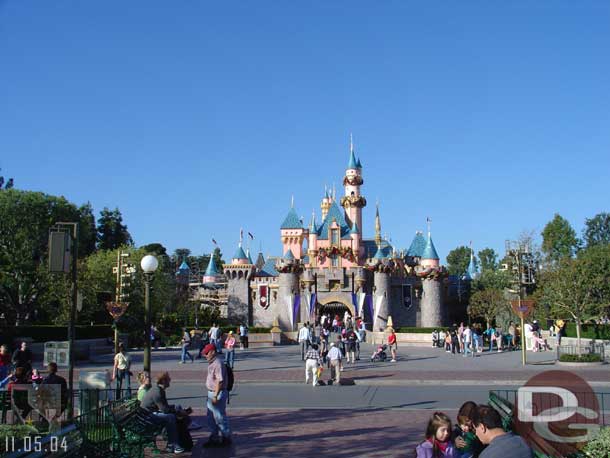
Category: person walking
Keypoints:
(243, 335)
(121, 371)
(467, 339)
(185, 343)
(312, 363)
(5, 362)
(393, 344)
(230, 348)
(214, 335)
(334, 360)
(351, 346)
(304, 339)
(216, 384)
(53, 379)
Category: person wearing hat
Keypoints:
(334, 358)
(230, 347)
(216, 384)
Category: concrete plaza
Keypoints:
(382, 412)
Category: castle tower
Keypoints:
(293, 234)
(288, 288)
(381, 296)
(431, 301)
(353, 202)
(312, 247)
(471, 272)
(211, 274)
(326, 203)
(238, 273)
(377, 227)
(354, 233)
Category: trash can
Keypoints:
(50, 353)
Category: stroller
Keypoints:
(380, 354)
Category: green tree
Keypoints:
(87, 230)
(155, 248)
(458, 260)
(578, 288)
(559, 239)
(25, 220)
(111, 232)
(597, 230)
(488, 259)
(487, 303)
(180, 254)
(9, 184)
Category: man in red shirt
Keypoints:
(392, 344)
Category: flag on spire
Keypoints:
(241, 235)
(251, 236)
(214, 242)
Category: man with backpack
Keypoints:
(218, 383)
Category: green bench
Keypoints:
(506, 409)
(135, 429)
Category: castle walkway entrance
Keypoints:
(333, 308)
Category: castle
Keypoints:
(331, 268)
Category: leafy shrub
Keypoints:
(14, 431)
(592, 358)
(600, 446)
(589, 331)
(415, 330)
(46, 333)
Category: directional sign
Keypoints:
(522, 308)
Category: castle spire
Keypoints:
(353, 163)
(377, 226)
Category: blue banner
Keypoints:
(355, 302)
(312, 304)
(369, 301)
(297, 303)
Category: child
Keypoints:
(437, 443)
(465, 431)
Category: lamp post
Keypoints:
(149, 264)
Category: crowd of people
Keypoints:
(17, 376)
(477, 432)
(472, 339)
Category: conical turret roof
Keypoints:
(418, 245)
(429, 250)
(288, 256)
(249, 257)
(292, 221)
(260, 261)
(354, 229)
(211, 270)
(353, 163)
(471, 271)
(379, 255)
(184, 266)
(239, 253)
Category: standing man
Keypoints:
(334, 356)
(214, 335)
(22, 357)
(243, 335)
(185, 343)
(304, 339)
(216, 384)
(393, 344)
(467, 336)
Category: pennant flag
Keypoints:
(297, 308)
(251, 236)
(369, 301)
(312, 304)
(214, 242)
(241, 234)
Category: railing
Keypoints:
(585, 349)
(585, 399)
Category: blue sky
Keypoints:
(198, 118)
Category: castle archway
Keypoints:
(334, 304)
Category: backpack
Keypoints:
(230, 378)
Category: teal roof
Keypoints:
(471, 272)
(249, 257)
(336, 214)
(429, 250)
(260, 261)
(354, 229)
(313, 226)
(417, 246)
(371, 248)
(359, 164)
(379, 254)
(292, 221)
(184, 266)
(211, 270)
(239, 253)
(288, 256)
(353, 163)
(268, 269)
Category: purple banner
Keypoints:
(369, 301)
(312, 304)
(297, 303)
(355, 302)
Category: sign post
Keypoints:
(522, 309)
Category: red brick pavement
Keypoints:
(320, 433)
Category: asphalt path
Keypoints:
(302, 396)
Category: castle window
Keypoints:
(334, 236)
(334, 261)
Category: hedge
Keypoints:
(46, 333)
(589, 331)
(592, 358)
(415, 330)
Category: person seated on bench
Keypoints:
(155, 402)
(488, 428)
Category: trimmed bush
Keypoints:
(18, 432)
(46, 333)
(592, 358)
(415, 330)
(589, 331)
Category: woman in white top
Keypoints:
(121, 371)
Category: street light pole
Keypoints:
(149, 264)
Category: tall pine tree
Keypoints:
(111, 232)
